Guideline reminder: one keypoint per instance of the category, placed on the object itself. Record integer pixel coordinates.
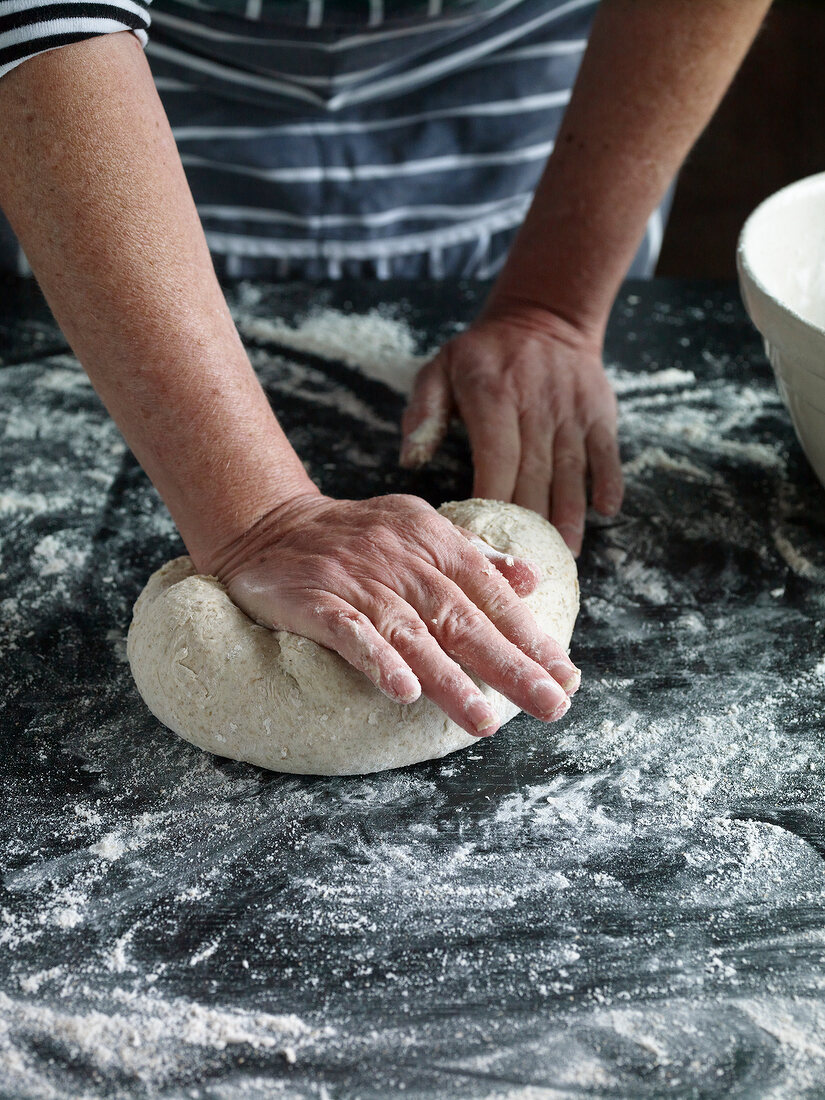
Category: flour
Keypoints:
(204, 953)
(32, 983)
(667, 379)
(302, 382)
(110, 847)
(654, 458)
(13, 501)
(118, 960)
(377, 343)
(144, 1037)
(629, 905)
(54, 555)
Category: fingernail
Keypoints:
(572, 685)
(546, 694)
(562, 710)
(482, 717)
(570, 681)
(403, 686)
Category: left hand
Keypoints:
(539, 410)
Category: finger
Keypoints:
(427, 416)
(536, 468)
(605, 469)
(469, 637)
(522, 574)
(334, 623)
(515, 621)
(493, 428)
(569, 491)
(442, 680)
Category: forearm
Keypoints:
(651, 78)
(92, 183)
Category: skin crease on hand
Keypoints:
(405, 597)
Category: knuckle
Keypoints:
(489, 384)
(559, 402)
(498, 595)
(403, 632)
(453, 625)
(495, 452)
(505, 609)
(570, 462)
(321, 607)
(345, 623)
(445, 551)
(503, 605)
(397, 504)
(533, 468)
(363, 546)
(317, 614)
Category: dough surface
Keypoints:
(280, 701)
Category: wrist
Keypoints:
(273, 519)
(539, 318)
(555, 280)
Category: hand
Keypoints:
(403, 595)
(539, 411)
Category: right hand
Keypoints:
(406, 598)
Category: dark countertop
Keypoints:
(631, 903)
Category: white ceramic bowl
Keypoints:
(781, 263)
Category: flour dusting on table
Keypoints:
(631, 903)
(379, 344)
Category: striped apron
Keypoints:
(365, 138)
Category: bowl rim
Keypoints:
(745, 267)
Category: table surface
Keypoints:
(631, 903)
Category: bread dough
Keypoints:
(280, 701)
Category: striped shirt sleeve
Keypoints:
(30, 27)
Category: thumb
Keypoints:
(428, 414)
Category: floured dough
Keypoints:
(283, 702)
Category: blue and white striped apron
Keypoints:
(366, 138)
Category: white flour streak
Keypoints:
(141, 1036)
(12, 501)
(654, 458)
(52, 555)
(376, 343)
(632, 382)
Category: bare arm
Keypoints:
(92, 183)
(527, 378)
(651, 78)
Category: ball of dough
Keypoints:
(280, 701)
